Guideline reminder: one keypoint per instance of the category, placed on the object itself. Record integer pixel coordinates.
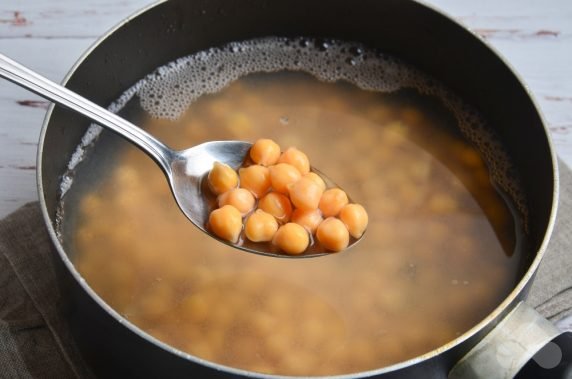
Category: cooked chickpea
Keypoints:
(442, 203)
(265, 152)
(278, 205)
(226, 222)
(256, 179)
(355, 218)
(291, 238)
(296, 158)
(240, 198)
(305, 194)
(292, 187)
(332, 202)
(470, 157)
(308, 219)
(157, 300)
(333, 234)
(260, 226)
(222, 178)
(195, 307)
(317, 179)
(282, 175)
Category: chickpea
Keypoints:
(226, 223)
(240, 198)
(195, 307)
(262, 323)
(283, 174)
(332, 202)
(317, 179)
(157, 300)
(333, 234)
(296, 158)
(91, 203)
(305, 194)
(278, 344)
(278, 205)
(469, 156)
(265, 152)
(308, 219)
(256, 179)
(355, 218)
(442, 203)
(260, 226)
(222, 178)
(291, 238)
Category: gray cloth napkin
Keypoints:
(551, 291)
(36, 343)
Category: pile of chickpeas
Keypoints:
(282, 202)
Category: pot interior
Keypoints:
(400, 151)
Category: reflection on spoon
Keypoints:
(185, 170)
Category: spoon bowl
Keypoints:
(185, 170)
(188, 170)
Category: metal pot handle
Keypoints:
(503, 352)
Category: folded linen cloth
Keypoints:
(35, 341)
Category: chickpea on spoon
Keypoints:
(279, 184)
(276, 205)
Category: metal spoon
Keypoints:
(185, 169)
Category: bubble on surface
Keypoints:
(171, 89)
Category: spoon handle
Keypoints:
(58, 94)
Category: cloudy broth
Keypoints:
(440, 253)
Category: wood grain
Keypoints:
(64, 19)
(535, 37)
(49, 36)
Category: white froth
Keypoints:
(87, 141)
(171, 89)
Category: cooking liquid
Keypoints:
(441, 251)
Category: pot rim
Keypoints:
(497, 312)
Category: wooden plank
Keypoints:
(63, 18)
(22, 114)
(535, 37)
(31, 32)
(513, 18)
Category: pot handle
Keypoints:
(503, 352)
(554, 360)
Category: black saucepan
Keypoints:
(410, 30)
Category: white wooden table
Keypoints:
(49, 36)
